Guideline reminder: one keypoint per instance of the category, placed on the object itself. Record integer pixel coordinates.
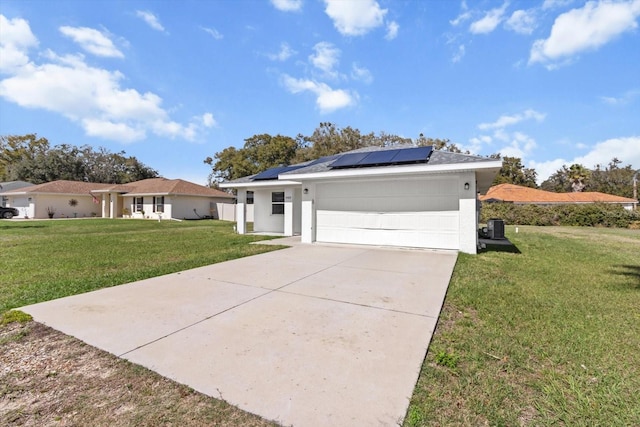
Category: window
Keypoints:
(249, 197)
(277, 203)
(158, 204)
(138, 204)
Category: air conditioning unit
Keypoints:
(495, 228)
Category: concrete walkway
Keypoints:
(307, 336)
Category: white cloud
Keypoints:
(464, 15)
(285, 53)
(287, 5)
(16, 39)
(505, 120)
(457, 57)
(627, 98)
(213, 33)
(90, 96)
(92, 41)
(626, 149)
(586, 28)
(489, 21)
(522, 21)
(392, 30)
(327, 99)
(520, 145)
(553, 4)
(208, 121)
(355, 17)
(325, 58)
(362, 74)
(150, 19)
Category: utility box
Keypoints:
(495, 228)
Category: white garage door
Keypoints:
(24, 206)
(412, 213)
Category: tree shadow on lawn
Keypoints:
(632, 271)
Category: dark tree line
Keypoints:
(32, 159)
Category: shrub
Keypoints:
(583, 215)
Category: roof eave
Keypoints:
(396, 170)
(258, 184)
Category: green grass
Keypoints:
(44, 260)
(548, 336)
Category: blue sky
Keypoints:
(171, 82)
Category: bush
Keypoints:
(585, 215)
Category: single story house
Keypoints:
(402, 196)
(155, 198)
(520, 195)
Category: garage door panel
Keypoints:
(411, 229)
(410, 212)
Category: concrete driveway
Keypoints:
(311, 335)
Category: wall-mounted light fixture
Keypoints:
(466, 185)
(306, 191)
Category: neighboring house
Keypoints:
(150, 198)
(11, 185)
(517, 194)
(403, 196)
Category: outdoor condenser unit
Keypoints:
(495, 228)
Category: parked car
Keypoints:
(8, 213)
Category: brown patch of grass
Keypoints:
(48, 378)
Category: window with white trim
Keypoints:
(277, 203)
(249, 197)
(138, 204)
(158, 204)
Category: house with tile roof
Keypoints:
(154, 198)
(403, 196)
(517, 194)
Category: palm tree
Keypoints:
(578, 176)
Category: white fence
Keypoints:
(227, 212)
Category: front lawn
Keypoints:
(549, 336)
(44, 260)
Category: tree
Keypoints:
(613, 179)
(17, 149)
(558, 182)
(514, 172)
(578, 176)
(28, 158)
(260, 152)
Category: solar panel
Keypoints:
(417, 154)
(378, 158)
(349, 160)
(383, 157)
(274, 172)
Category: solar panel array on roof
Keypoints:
(383, 158)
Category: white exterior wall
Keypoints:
(25, 205)
(37, 206)
(147, 206)
(468, 213)
(263, 220)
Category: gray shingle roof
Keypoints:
(437, 158)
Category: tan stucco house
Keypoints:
(155, 198)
